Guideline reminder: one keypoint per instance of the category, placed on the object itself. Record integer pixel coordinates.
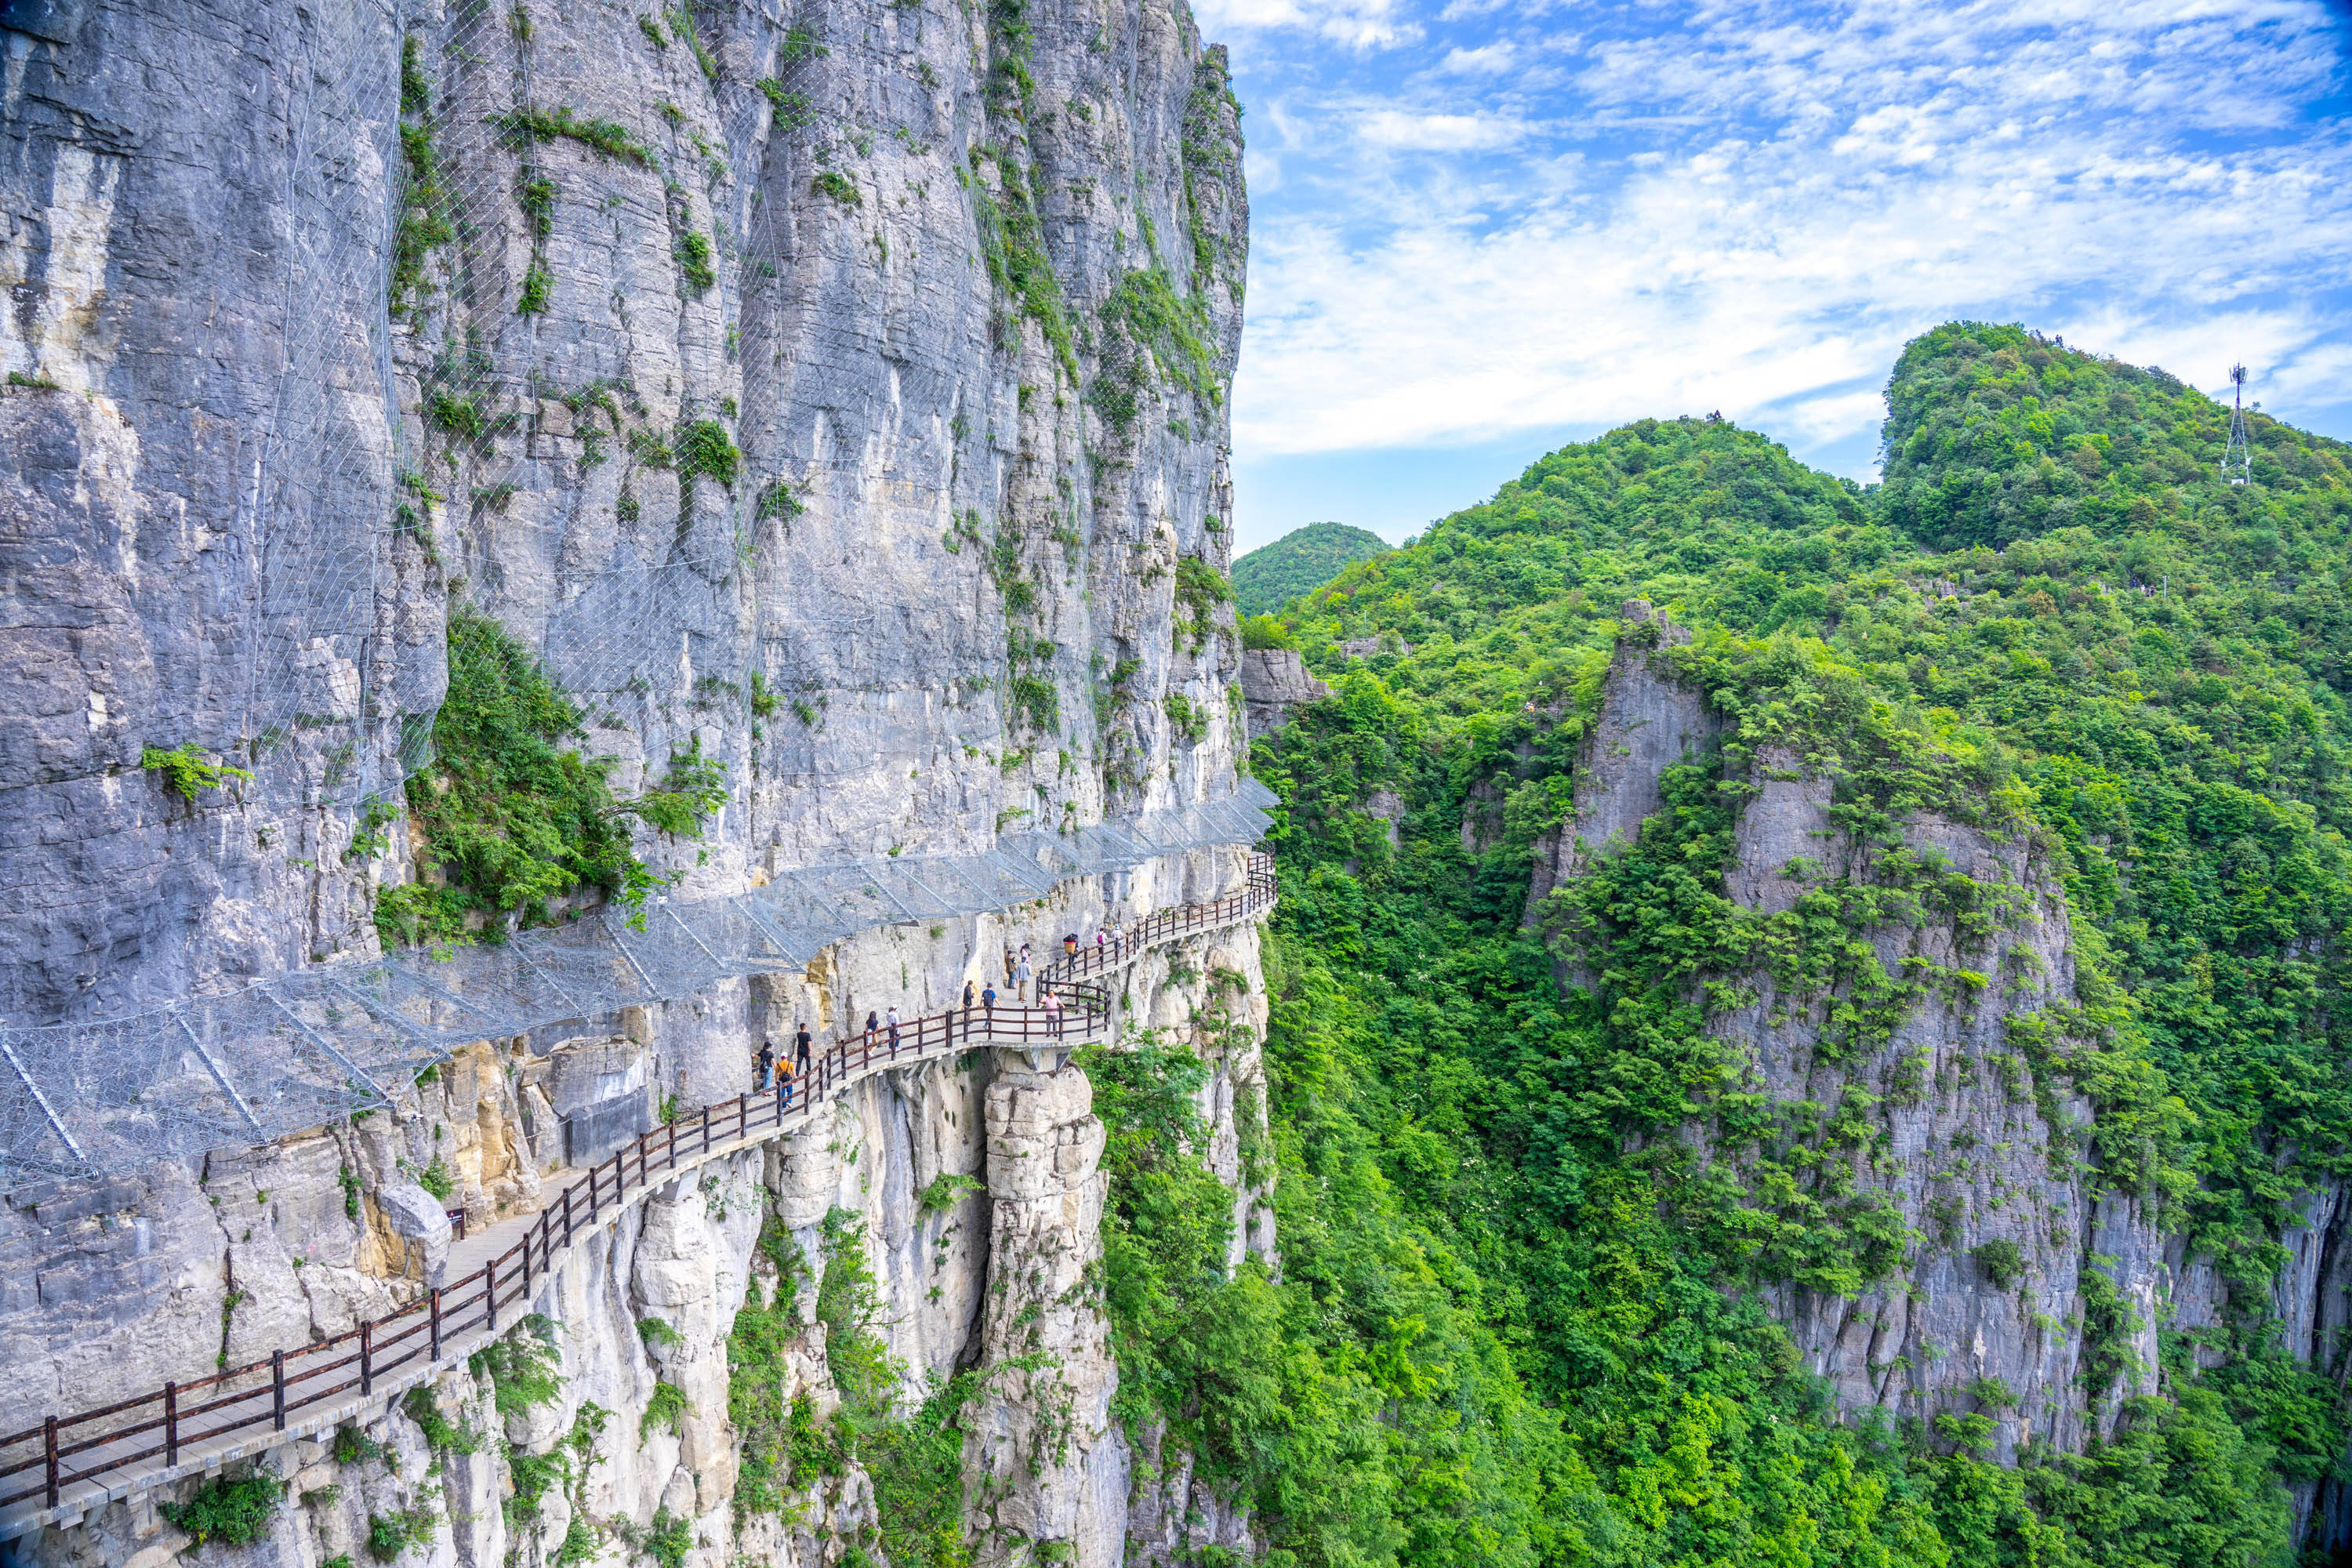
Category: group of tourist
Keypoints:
(782, 1076)
(785, 1075)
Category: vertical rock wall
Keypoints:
(970, 1188)
(2009, 1282)
(1947, 1130)
(1647, 721)
(1038, 1442)
(840, 386)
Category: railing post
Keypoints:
(490, 1294)
(367, 1357)
(170, 1423)
(567, 1214)
(50, 1437)
(277, 1388)
(433, 1307)
(706, 1130)
(526, 1269)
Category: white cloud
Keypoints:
(1401, 132)
(1356, 24)
(1785, 198)
(1487, 59)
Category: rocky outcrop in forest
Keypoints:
(1916, 1097)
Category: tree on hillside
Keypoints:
(1298, 563)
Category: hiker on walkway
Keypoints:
(970, 995)
(873, 1027)
(767, 1065)
(1009, 962)
(1070, 944)
(784, 1089)
(894, 1031)
(1021, 976)
(988, 1001)
(801, 1043)
(1053, 1006)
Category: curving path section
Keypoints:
(61, 1470)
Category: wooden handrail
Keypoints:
(442, 1313)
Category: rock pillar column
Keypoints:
(1047, 1477)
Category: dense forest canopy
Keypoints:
(1516, 1321)
(1299, 563)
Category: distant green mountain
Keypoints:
(1534, 1238)
(1298, 563)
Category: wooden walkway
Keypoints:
(60, 1470)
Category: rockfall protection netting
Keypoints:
(451, 199)
(300, 1049)
(441, 194)
(430, 193)
(485, 175)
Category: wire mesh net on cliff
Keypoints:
(300, 1049)
(479, 162)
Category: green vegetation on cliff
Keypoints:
(1517, 1320)
(1299, 563)
(510, 814)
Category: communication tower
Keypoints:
(2238, 459)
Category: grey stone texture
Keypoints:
(949, 591)
(1274, 681)
(1967, 1157)
(1965, 1147)
(236, 515)
(1647, 721)
(131, 1277)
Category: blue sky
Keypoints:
(1480, 229)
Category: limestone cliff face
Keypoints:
(1274, 681)
(840, 385)
(837, 387)
(971, 1188)
(1941, 1126)
(1985, 1165)
(1647, 721)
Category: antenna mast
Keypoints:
(2238, 459)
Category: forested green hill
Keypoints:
(1515, 1322)
(1298, 563)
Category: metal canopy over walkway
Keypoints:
(70, 1463)
(296, 1050)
